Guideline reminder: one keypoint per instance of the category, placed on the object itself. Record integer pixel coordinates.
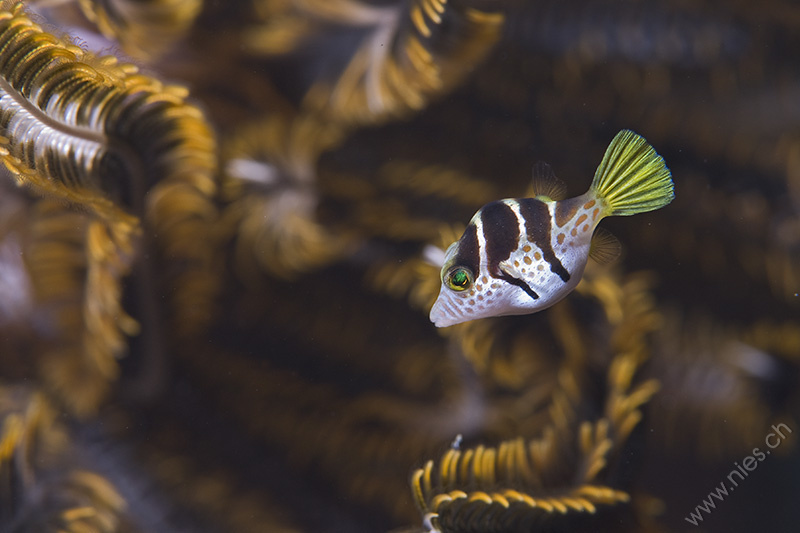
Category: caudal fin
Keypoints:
(632, 178)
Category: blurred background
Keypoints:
(216, 225)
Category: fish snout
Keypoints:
(444, 313)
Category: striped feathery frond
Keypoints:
(412, 52)
(494, 489)
(76, 270)
(89, 129)
(101, 135)
(286, 25)
(519, 485)
(142, 28)
(269, 185)
(39, 489)
(56, 101)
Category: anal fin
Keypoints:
(604, 248)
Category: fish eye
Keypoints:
(459, 278)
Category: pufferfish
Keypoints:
(522, 255)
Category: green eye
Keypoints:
(459, 278)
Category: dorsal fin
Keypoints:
(546, 184)
(605, 248)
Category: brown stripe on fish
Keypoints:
(468, 251)
(538, 227)
(519, 283)
(501, 232)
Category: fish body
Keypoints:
(522, 255)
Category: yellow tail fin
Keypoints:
(632, 178)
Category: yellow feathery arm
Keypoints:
(414, 52)
(143, 29)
